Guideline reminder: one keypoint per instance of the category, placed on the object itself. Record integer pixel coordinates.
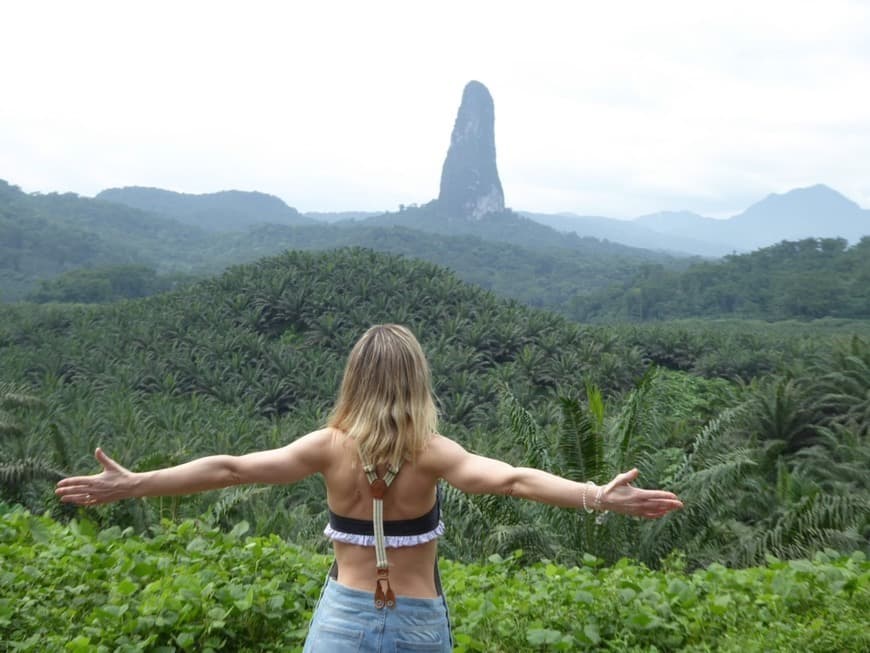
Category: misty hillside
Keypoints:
(46, 239)
(68, 248)
(628, 232)
(508, 227)
(688, 226)
(815, 212)
(42, 236)
(340, 216)
(230, 210)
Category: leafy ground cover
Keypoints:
(187, 587)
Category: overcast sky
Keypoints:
(602, 108)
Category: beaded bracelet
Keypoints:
(602, 516)
(585, 489)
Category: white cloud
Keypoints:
(612, 108)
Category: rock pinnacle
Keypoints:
(470, 187)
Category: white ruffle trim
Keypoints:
(390, 541)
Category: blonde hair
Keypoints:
(385, 403)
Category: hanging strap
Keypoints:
(378, 486)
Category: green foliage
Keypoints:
(252, 359)
(105, 284)
(806, 279)
(629, 608)
(745, 477)
(581, 441)
(21, 468)
(734, 348)
(188, 587)
(780, 481)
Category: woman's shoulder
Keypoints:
(437, 442)
(324, 436)
(438, 453)
(324, 441)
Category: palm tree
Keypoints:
(781, 417)
(841, 384)
(20, 469)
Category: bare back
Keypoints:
(412, 493)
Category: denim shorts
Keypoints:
(347, 621)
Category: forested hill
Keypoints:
(547, 277)
(43, 236)
(230, 210)
(510, 227)
(803, 279)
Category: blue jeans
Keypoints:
(346, 621)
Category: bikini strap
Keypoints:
(384, 594)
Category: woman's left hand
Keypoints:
(622, 497)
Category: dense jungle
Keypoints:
(761, 430)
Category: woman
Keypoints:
(381, 457)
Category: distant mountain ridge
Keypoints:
(44, 236)
(814, 212)
(229, 210)
(471, 202)
(817, 211)
(687, 225)
(626, 232)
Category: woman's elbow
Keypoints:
(481, 475)
(232, 471)
(505, 483)
(516, 483)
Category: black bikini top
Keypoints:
(392, 527)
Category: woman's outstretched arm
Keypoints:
(299, 459)
(480, 475)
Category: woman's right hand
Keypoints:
(112, 484)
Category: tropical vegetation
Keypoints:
(805, 279)
(769, 457)
(187, 586)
